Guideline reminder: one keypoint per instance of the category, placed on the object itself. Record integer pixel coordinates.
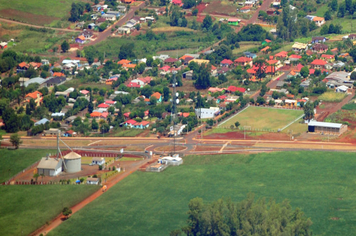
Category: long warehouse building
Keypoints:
(326, 128)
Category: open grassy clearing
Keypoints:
(174, 41)
(170, 29)
(320, 183)
(245, 46)
(30, 40)
(26, 208)
(332, 97)
(14, 161)
(128, 132)
(264, 118)
(41, 12)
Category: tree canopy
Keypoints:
(248, 217)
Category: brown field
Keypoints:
(199, 148)
(220, 7)
(170, 148)
(27, 17)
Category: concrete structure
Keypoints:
(49, 166)
(98, 161)
(207, 113)
(73, 162)
(299, 47)
(326, 128)
(94, 181)
(173, 161)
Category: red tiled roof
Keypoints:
(226, 61)
(251, 71)
(133, 85)
(103, 105)
(295, 56)
(234, 89)
(243, 60)
(33, 94)
(123, 61)
(156, 95)
(170, 60)
(318, 62)
(282, 54)
(131, 122)
(326, 56)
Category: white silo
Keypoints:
(72, 162)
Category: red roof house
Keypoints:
(243, 61)
(318, 64)
(103, 105)
(226, 63)
(233, 89)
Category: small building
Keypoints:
(319, 21)
(172, 161)
(243, 61)
(41, 122)
(207, 113)
(3, 45)
(320, 48)
(49, 166)
(233, 21)
(98, 161)
(299, 47)
(318, 39)
(326, 128)
(94, 181)
(188, 75)
(341, 89)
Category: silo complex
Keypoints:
(72, 162)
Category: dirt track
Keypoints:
(36, 26)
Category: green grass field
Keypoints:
(26, 208)
(14, 161)
(320, 183)
(264, 118)
(41, 12)
(349, 106)
(332, 97)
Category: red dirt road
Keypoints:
(59, 219)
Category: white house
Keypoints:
(207, 113)
(174, 161)
(98, 161)
(94, 181)
(341, 89)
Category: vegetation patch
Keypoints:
(332, 97)
(350, 106)
(29, 207)
(312, 181)
(263, 118)
(14, 161)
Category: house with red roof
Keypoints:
(58, 74)
(127, 115)
(281, 55)
(295, 57)
(165, 68)
(251, 71)
(36, 96)
(145, 80)
(243, 61)
(327, 57)
(141, 125)
(233, 89)
(158, 96)
(103, 105)
(177, 2)
(110, 81)
(130, 123)
(226, 63)
(110, 102)
(123, 62)
(170, 61)
(133, 85)
(318, 64)
(84, 92)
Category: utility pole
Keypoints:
(175, 102)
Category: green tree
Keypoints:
(104, 128)
(94, 125)
(237, 124)
(195, 12)
(207, 23)
(165, 94)
(15, 140)
(327, 16)
(153, 100)
(36, 175)
(353, 75)
(65, 46)
(308, 111)
(334, 5)
(304, 72)
(342, 10)
(249, 217)
(66, 212)
(10, 120)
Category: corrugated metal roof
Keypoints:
(324, 124)
(72, 155)
(48, 163)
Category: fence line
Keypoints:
(233, 115)
(292, 122)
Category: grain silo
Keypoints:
(72, 162)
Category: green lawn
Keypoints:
(26, 208)
(332, 97)
(264, 118)
(14, 161)
(320, 183)
(41, 12)
(128, 132)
